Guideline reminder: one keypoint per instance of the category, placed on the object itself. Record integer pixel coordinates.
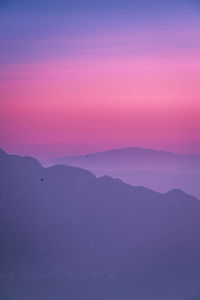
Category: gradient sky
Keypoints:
(82, 76)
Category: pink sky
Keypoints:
(110, 96)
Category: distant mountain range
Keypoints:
(157, 170)
(135, 242)
(134, 159)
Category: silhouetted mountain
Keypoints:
(157, 170)
(133, 159)
(160, 182)
(111, 240)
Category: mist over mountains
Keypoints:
(65, 232)
(157, 170)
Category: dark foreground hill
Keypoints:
(66, 235)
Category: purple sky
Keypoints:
(84, 76)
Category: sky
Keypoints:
(85, 76)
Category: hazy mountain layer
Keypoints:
(157, 170)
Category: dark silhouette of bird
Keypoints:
(41, 179)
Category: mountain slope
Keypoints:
(157, 170)
(160, 182)
(131, 239)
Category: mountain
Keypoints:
(161, 182)
(134, 159)
(157, 170)
(66, 234)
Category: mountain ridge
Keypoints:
(127, 159)
(127, 149)
(88, 225)
(156, 170)
(61, 167)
